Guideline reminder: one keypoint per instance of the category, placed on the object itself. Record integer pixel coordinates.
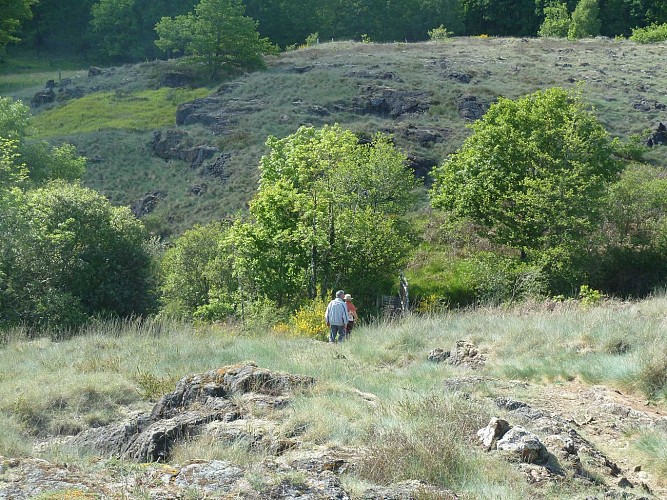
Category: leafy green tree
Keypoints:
(188, 268)
(115, 23)
(556, 21)
(500, 17)
(585, 20)
(321, 193)
(65, 252)
(534, 173)
(45, 162)
(60, 26)
(217, 33)
(14, 119)
(76, 256)
(12, 14)
(124, 29)
(633, 237)
(285, 22)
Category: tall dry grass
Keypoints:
(377, 393)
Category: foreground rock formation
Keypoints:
(544, 440)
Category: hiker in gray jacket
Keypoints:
(336, 317)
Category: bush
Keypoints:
(76, 257)
(589, 296)
(499, 279)
(312, 39)
(650, 34)
(585, 20)
(308, 320)
(440, 33)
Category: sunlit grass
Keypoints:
(145, 110)
(377, 392)
(10, 82)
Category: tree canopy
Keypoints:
(12, 14)
(66, 253)
(327, 213)
(217, 33)
(533, 174)
(123, 29)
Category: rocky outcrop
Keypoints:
(464, 353)
(205, 111)
(658, 137)
(175, 79)
(42, 97)
(471, 108)
(374, 75)
(225, 405)
(147, 203)
(421, 166)
(425, 137)
(198, 400)
(172, 144)
(216, 112)
(218, 168)
(647, 105)
(388, 102)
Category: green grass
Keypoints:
(377, 392)
(137, 111)
(14, 81)
(20, 69)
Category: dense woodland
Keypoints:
(539, 201)
(123, 30)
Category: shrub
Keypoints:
(308, 320)
(440, 33)
(499, 279)
(78, 256)
(589, 296)
(650, 34)
(312, 39)
(585, 20)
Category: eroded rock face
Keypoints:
(390, 103)
(466, 353)
(42, 97)
(658, 136)
(471, 108)
(197, 401)
(235, 404)
(172, 144)
(524, 444)
(175, 79)
(147, 203)
(494, 431)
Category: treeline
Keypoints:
(538, 202)
(124, 30)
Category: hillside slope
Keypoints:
(423, 94)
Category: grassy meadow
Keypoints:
(412, 429)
